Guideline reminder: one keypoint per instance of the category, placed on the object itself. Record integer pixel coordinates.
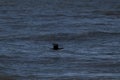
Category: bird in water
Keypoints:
(56, 47)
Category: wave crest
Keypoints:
(61, 36)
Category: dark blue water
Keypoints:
(89, 31)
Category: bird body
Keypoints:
(56, 47)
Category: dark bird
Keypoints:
(56, 47)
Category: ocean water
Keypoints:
(88, 30)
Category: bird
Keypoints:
(56, 47)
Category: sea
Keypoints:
(87, 30)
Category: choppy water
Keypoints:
(89, 31)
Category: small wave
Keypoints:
(101, 33)
(50, 16)
(4, 56)
(109, 13)
(7, 57)
(61, 36)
